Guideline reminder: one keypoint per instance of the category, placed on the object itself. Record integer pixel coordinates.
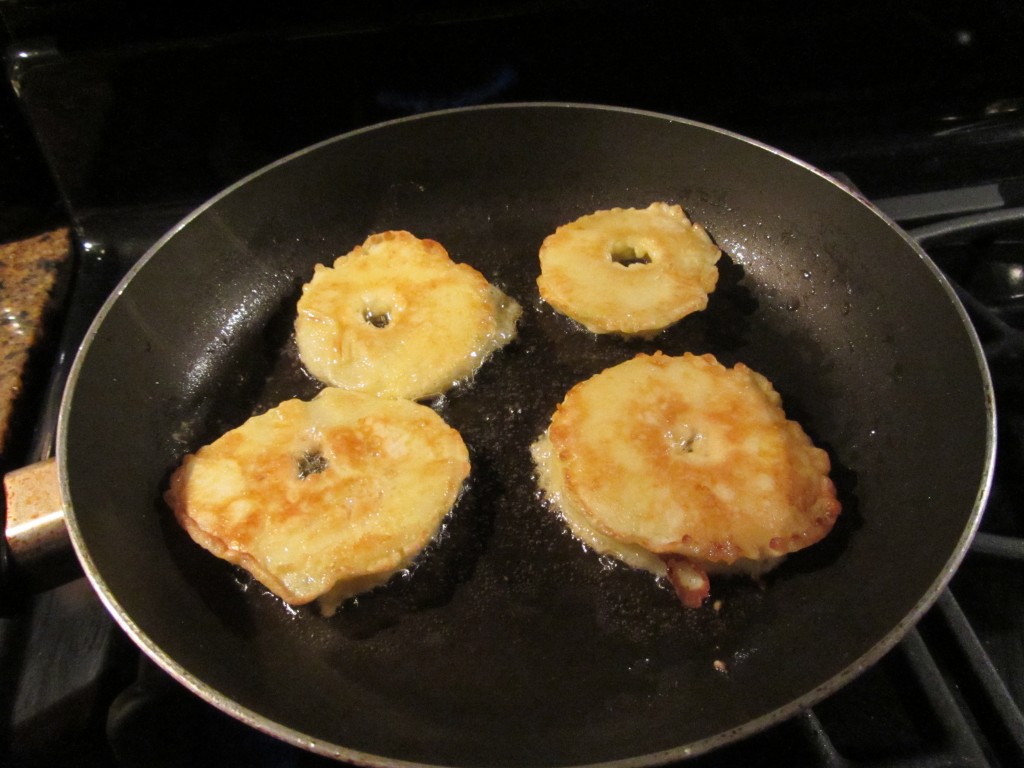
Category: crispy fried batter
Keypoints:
(662, 459)
(397, 317)
(325, 498)
(629, 271)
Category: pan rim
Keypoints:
(702, 746)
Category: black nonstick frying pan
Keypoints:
(508, 643)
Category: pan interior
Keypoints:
(508, 643)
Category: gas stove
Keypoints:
(142, 116)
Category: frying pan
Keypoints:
(508, 643)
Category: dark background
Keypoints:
(159, 105)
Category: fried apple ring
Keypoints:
(397, 317)
(323, 499)
(681, 466)
(629, 271)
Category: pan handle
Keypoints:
(38, 544)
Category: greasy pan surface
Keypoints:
(509, 644)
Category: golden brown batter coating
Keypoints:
(673, 462)
(397, 317)
(627, 270)
(325, 498)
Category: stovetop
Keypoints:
(140, 116)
